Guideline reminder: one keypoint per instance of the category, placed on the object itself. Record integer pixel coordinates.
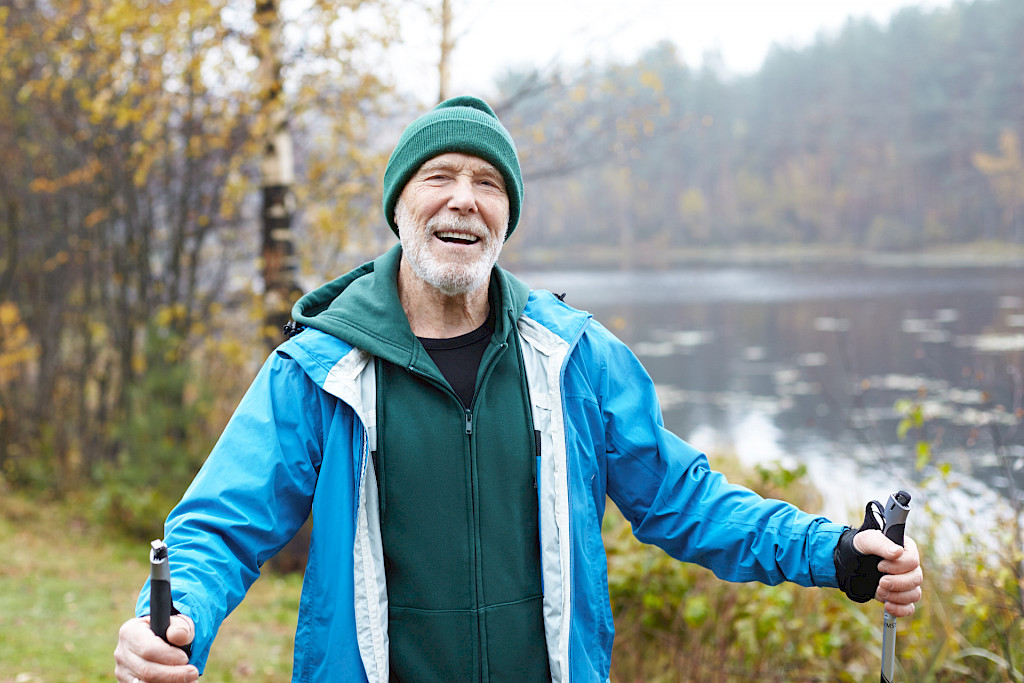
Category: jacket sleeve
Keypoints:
(251, 496)
(673, 499)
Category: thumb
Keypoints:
(181, 630)
(874, 542)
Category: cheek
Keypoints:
(496, 215)
(423, 203)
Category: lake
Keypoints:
(806, 364)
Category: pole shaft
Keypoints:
(888, 648)
(895, 520)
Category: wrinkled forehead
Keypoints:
(457, 161)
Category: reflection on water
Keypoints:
(809, 363)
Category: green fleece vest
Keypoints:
(459, 523)
(457, 489)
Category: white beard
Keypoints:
(455, 275)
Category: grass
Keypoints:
(66, 587)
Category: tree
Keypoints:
(280, 266)
(129, 141)
(1005, 173)
(447, 47)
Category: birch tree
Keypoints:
(131, 136)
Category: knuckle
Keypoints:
(125, 629)
(145, 671)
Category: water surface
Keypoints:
(807, 364)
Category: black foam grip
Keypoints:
(160, 607)
(895, 533)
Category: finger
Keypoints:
(149, 672)
(132, 668)
(900, 611)
(900, 583)
(908, 560)
(139, 640)
(126, 661)
(899, 597)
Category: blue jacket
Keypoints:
(297, 444)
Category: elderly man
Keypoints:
(454, 435)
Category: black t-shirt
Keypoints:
(459, 358)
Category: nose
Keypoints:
(463, 196)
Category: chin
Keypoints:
(456, 284)
(450, 276)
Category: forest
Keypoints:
(130, 180)
(135, 300)
(898, 137)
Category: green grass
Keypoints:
(66, 586)
(65, 589)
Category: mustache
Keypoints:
(460, 223)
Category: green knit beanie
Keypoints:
(462, 124)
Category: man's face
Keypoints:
(452, 220)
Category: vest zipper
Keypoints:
(469, 422)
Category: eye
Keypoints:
(436, 179)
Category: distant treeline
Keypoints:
(131, 135)
(884, 137)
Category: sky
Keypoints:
(493, 35)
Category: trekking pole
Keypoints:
(159, 589)
(894, 521)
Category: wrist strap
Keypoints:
(857, 573)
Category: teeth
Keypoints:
(457, 236)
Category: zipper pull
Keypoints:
(469, 421)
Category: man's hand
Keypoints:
(143, 657)
(900, 587)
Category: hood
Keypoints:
(363, 309)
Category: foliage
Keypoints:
(73, 580)
(162, 445)
(129, 135)
(17, 353)
(128, 327)
(980, 611)
(883, 137)
(1006, 175)
(678, 622)
(66, 586)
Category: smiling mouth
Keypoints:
(452, 237)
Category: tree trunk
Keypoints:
(447, 46)
(280, 266)
(279, 260)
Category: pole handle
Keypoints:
(895, 516)
(160, 607)
(159, 589)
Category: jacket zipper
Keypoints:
(488, 364)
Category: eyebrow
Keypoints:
(435, 165)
